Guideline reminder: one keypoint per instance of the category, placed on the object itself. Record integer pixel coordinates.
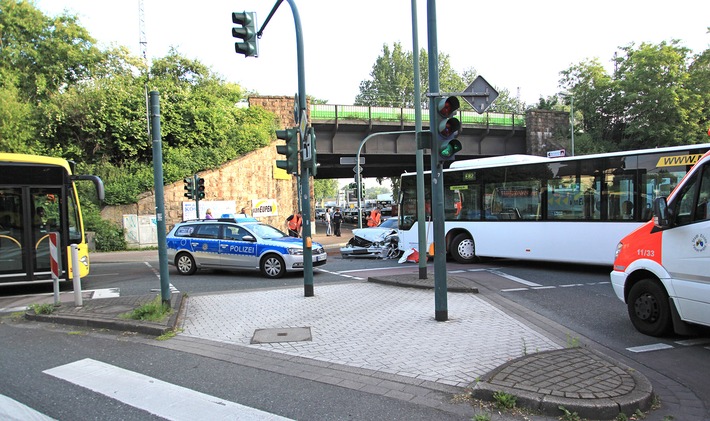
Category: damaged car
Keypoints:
(380, 242)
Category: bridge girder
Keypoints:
(391, 155)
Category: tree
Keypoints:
(391, 82)
(46, 53)
(657, 96)
(324, 189)
(653, 81)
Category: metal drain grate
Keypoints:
(288, 334)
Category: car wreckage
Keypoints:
(380, 242)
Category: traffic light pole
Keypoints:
(421, 217)
(441, 312)
(305, 168)
(165, 294)
(307, 156)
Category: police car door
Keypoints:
(686, 252)
(205, 245)
(236, 251)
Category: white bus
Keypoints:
(573, 209)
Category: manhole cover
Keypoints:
(288, 334)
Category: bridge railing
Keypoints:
(366, 113)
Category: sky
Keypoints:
(518, 45)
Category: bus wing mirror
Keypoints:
(97, 182)
(660, 213)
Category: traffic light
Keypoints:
(448, 128)
(290, 150)
(189, 187)
(200, 187)
(246, 32)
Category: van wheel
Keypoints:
(649, 309)
(185, 264)
(273, 266)
(463, 250)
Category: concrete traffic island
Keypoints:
(577, 379)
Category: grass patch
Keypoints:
(504, 400)
(154, 311)
(168, 335)
(42, 308)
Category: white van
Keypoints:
(662, 269)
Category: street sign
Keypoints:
(357, 169)
(480, 94)
(556, 154)
(305, 138)
(350, 160)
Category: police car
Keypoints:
(237, 243)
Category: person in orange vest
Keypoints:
(294, 223)
(374, 219)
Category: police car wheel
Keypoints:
(273, 266)
(185, 264)
(649, 309)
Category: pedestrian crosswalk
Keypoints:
(162, 399)
(12, 410)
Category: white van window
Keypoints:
(702, 210)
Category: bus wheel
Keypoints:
(273, 266)
(462, 249)
(648, 308)
(185, 264)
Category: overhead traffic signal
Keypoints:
(189, 187)
(448, 128)
(290, 150)
(199, 188)
(249, 46)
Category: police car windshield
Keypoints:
(266, 232)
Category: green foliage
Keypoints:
(324, 189)
(504, 400)
(42, 308)
(657, 96)
(109, 236)
(153, 311)
(567, 415)
(391, 82)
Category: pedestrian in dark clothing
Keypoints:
(337, 220)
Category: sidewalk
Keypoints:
(375, 336)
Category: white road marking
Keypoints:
(12, 410)
(515, 279)
(692, 342)
(152, 395)
(651, 347)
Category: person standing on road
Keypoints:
(294, 224)
(328, 227)
(373, 219)
(337, 220)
